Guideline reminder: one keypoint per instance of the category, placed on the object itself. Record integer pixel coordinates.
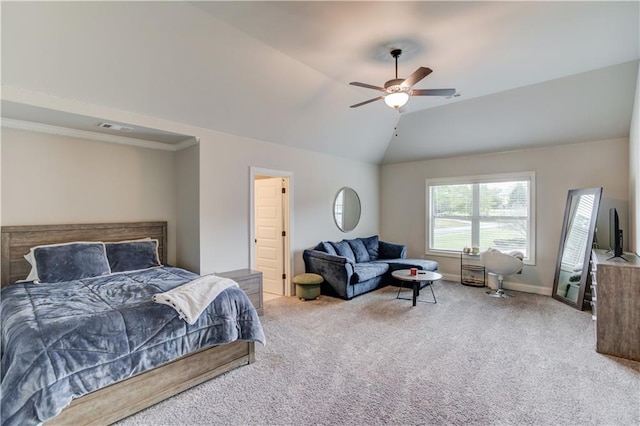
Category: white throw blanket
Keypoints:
(518, 254)
(192, 298)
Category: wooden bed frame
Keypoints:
(117, 401)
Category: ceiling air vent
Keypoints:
(116, 127)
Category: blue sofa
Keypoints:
(356, 266)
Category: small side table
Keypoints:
(421, 277)
(472, 272)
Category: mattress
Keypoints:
(63, 340)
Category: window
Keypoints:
(483, 211)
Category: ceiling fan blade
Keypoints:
(366, 102)
(367, 86)
(433, 92)
(418, 75)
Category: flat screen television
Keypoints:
(615, 233)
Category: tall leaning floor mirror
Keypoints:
(576, 240)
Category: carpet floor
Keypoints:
(470, 359)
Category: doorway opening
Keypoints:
(270, 230)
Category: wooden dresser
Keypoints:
(250, 281)
(615, 289)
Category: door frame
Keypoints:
(287, 214)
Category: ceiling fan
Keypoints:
(397, 91)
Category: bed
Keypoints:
(118, 375)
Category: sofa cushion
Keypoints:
(371, 244)
(422, 264)
(344, 249)
(365, 271)
(359, 250)
(328, 248)
(391, 250)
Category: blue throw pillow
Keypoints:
(328, 248)
(371, 243)
(359, 250)
(344, 249)
(127, 256)
(71, 261)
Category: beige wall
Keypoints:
(203, 191)
(558, 169)
(634, 175)
(225, 163)
(188, 208)
(48, 179)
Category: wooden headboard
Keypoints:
(18, 240)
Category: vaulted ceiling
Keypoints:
(527, 73)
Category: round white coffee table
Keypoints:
(421, 277)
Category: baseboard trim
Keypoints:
(507, 285)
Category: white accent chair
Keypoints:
(501, 264)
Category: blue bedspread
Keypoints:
(61, 341)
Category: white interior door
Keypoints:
(269, 227)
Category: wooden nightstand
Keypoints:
(250, 281)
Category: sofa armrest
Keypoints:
(391, 250)
(336, 270)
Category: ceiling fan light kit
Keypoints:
(398, 91)
(397, 99)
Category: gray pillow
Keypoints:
(127, 256)
(68, 262)
(359, 250)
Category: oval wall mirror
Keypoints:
(346, 209)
